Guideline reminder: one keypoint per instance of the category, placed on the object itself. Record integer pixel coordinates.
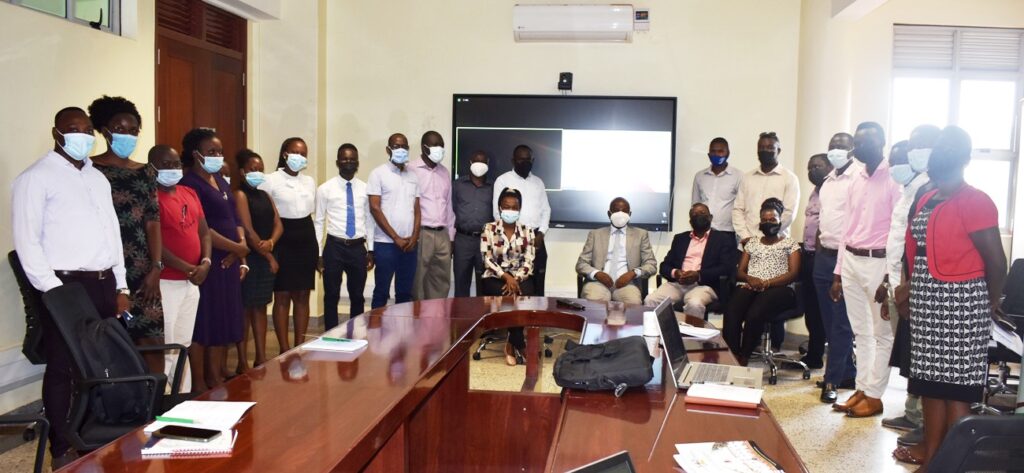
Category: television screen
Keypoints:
(587, 150)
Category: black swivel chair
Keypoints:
(768, 354)
(1013, 306)
(982, 443)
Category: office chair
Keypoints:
(982, 443)
(1013, 306)
(768, 354)
(40, 429)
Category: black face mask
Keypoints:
(523, 168)
(700, 223)
(942, 168)
(770, 229)
(817, 176)
(348, 167)
(767, 158)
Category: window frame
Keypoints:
(113, 14)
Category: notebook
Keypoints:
(346, 345)
(724, 395)
(719, 457)
(215, 415)
(164, 447)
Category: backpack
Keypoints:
(108, 352)
(613, 365)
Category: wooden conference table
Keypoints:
(404, 404)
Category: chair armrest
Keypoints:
(19, 419)
(179, 366)
(89, 383)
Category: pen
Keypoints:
(332, 339)
(176, 420)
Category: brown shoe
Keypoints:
(510, 355)
(866, 408)
(850, 402)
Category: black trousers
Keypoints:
(493, 287)
(60, 369)
(467, 264)
(812, 311)
(540, 269)
(747, 313)
(349, 260)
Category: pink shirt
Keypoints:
(869, 212)
(435, 196)
(695, 252)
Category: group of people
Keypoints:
(182, 257)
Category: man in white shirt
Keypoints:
(616, 258)
(716, 186)
(343, 217)
(769, 179)
(65, 230)
(394, 195)
(535, 212)
(437, 220)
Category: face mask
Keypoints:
(399, 155)
(943, 168)
(838, 157)
(902, 174)
(123, 145)
(767, 158)
(770, 229)
(168, 177)
(918, 159)
(717, 160)
(523, 168)
(348, 167)
(77, 145)
(255, 178)
(212, 164)
(478, 169)
(510, 216)
(867, 155)
(817, 176)
(619, 219)
(436, 153)
(700, 223)
(296, 162)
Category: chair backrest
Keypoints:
(982, 443)
(1013, 303)
(31, 298)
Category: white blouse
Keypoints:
(769, 261)
(293, 195)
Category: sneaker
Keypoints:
(911, 438)
(899, 423)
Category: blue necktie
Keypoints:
(350, 212)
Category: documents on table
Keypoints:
(346, 345)
(165, 447)
(700, 333)
(737, 456)
(214, 415)
(724, 395)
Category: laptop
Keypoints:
(617, 463)
(686, 373)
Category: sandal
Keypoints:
(903, 454)
(510, 355)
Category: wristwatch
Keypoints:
(124, 291)
(205, 260)
(159, 265)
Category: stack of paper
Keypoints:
(724, 395)
(717, 457)
(212, 415)
(163, 447)
(335, 344)
(700, 333)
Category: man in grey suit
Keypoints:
(616, 258)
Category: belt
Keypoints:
(347, 242)
(436, 229)
(828, 251)
(472, 234)
(879, 253)
(104, 274)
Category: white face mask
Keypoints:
(838, 157)
(436, 153)
(478, 169)
(620, 219)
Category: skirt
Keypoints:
(219, 318)
(296, 252)
(258, 285)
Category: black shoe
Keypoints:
(911, 438)
(829, 394)
(846, 384)
(813, 363)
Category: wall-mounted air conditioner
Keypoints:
(583, 23)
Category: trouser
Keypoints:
(749, 311)
(596, 291)
(494, 287)
(180, 301)
(348, 260)
(861, 277)
(696, 297)
(392, 263)
(912, 409)
(467, 263)
(540, 268)
(433, 271)
(812, 311)
(839, 364)
(60, 369)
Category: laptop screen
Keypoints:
(618, 463)
(671, 339)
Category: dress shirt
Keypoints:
(472, 204)
(811, 218)
(398, 191)
(293, 195)
(894, 245)
(503, 255)
(695, 252)
(757, 186)
(332, 206)
(872, 199)
(616, 268)
(63, 218)
(718, 192)
(834, 196)
(435, 196)
(535, 211)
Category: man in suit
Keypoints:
(695, 263)
(616, 258)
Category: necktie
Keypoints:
(617, 255)
(350, 212)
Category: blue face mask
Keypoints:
(510, 216)
(77, 145)
(902, 174)
(123, 145)
(918, 158)
(212, 164)
(399, 155)
(255, 178)
(717, 160)
(168, 177)
(296, 162)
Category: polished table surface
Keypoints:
(404, 403)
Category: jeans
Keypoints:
(839, 366)
(392, 263)
(812, 310)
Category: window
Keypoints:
(972, 78)
(99, 14)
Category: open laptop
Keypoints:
(686, 373)
(617, 463)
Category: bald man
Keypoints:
(394, 195)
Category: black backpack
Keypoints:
(109, 353)
(616, 364)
